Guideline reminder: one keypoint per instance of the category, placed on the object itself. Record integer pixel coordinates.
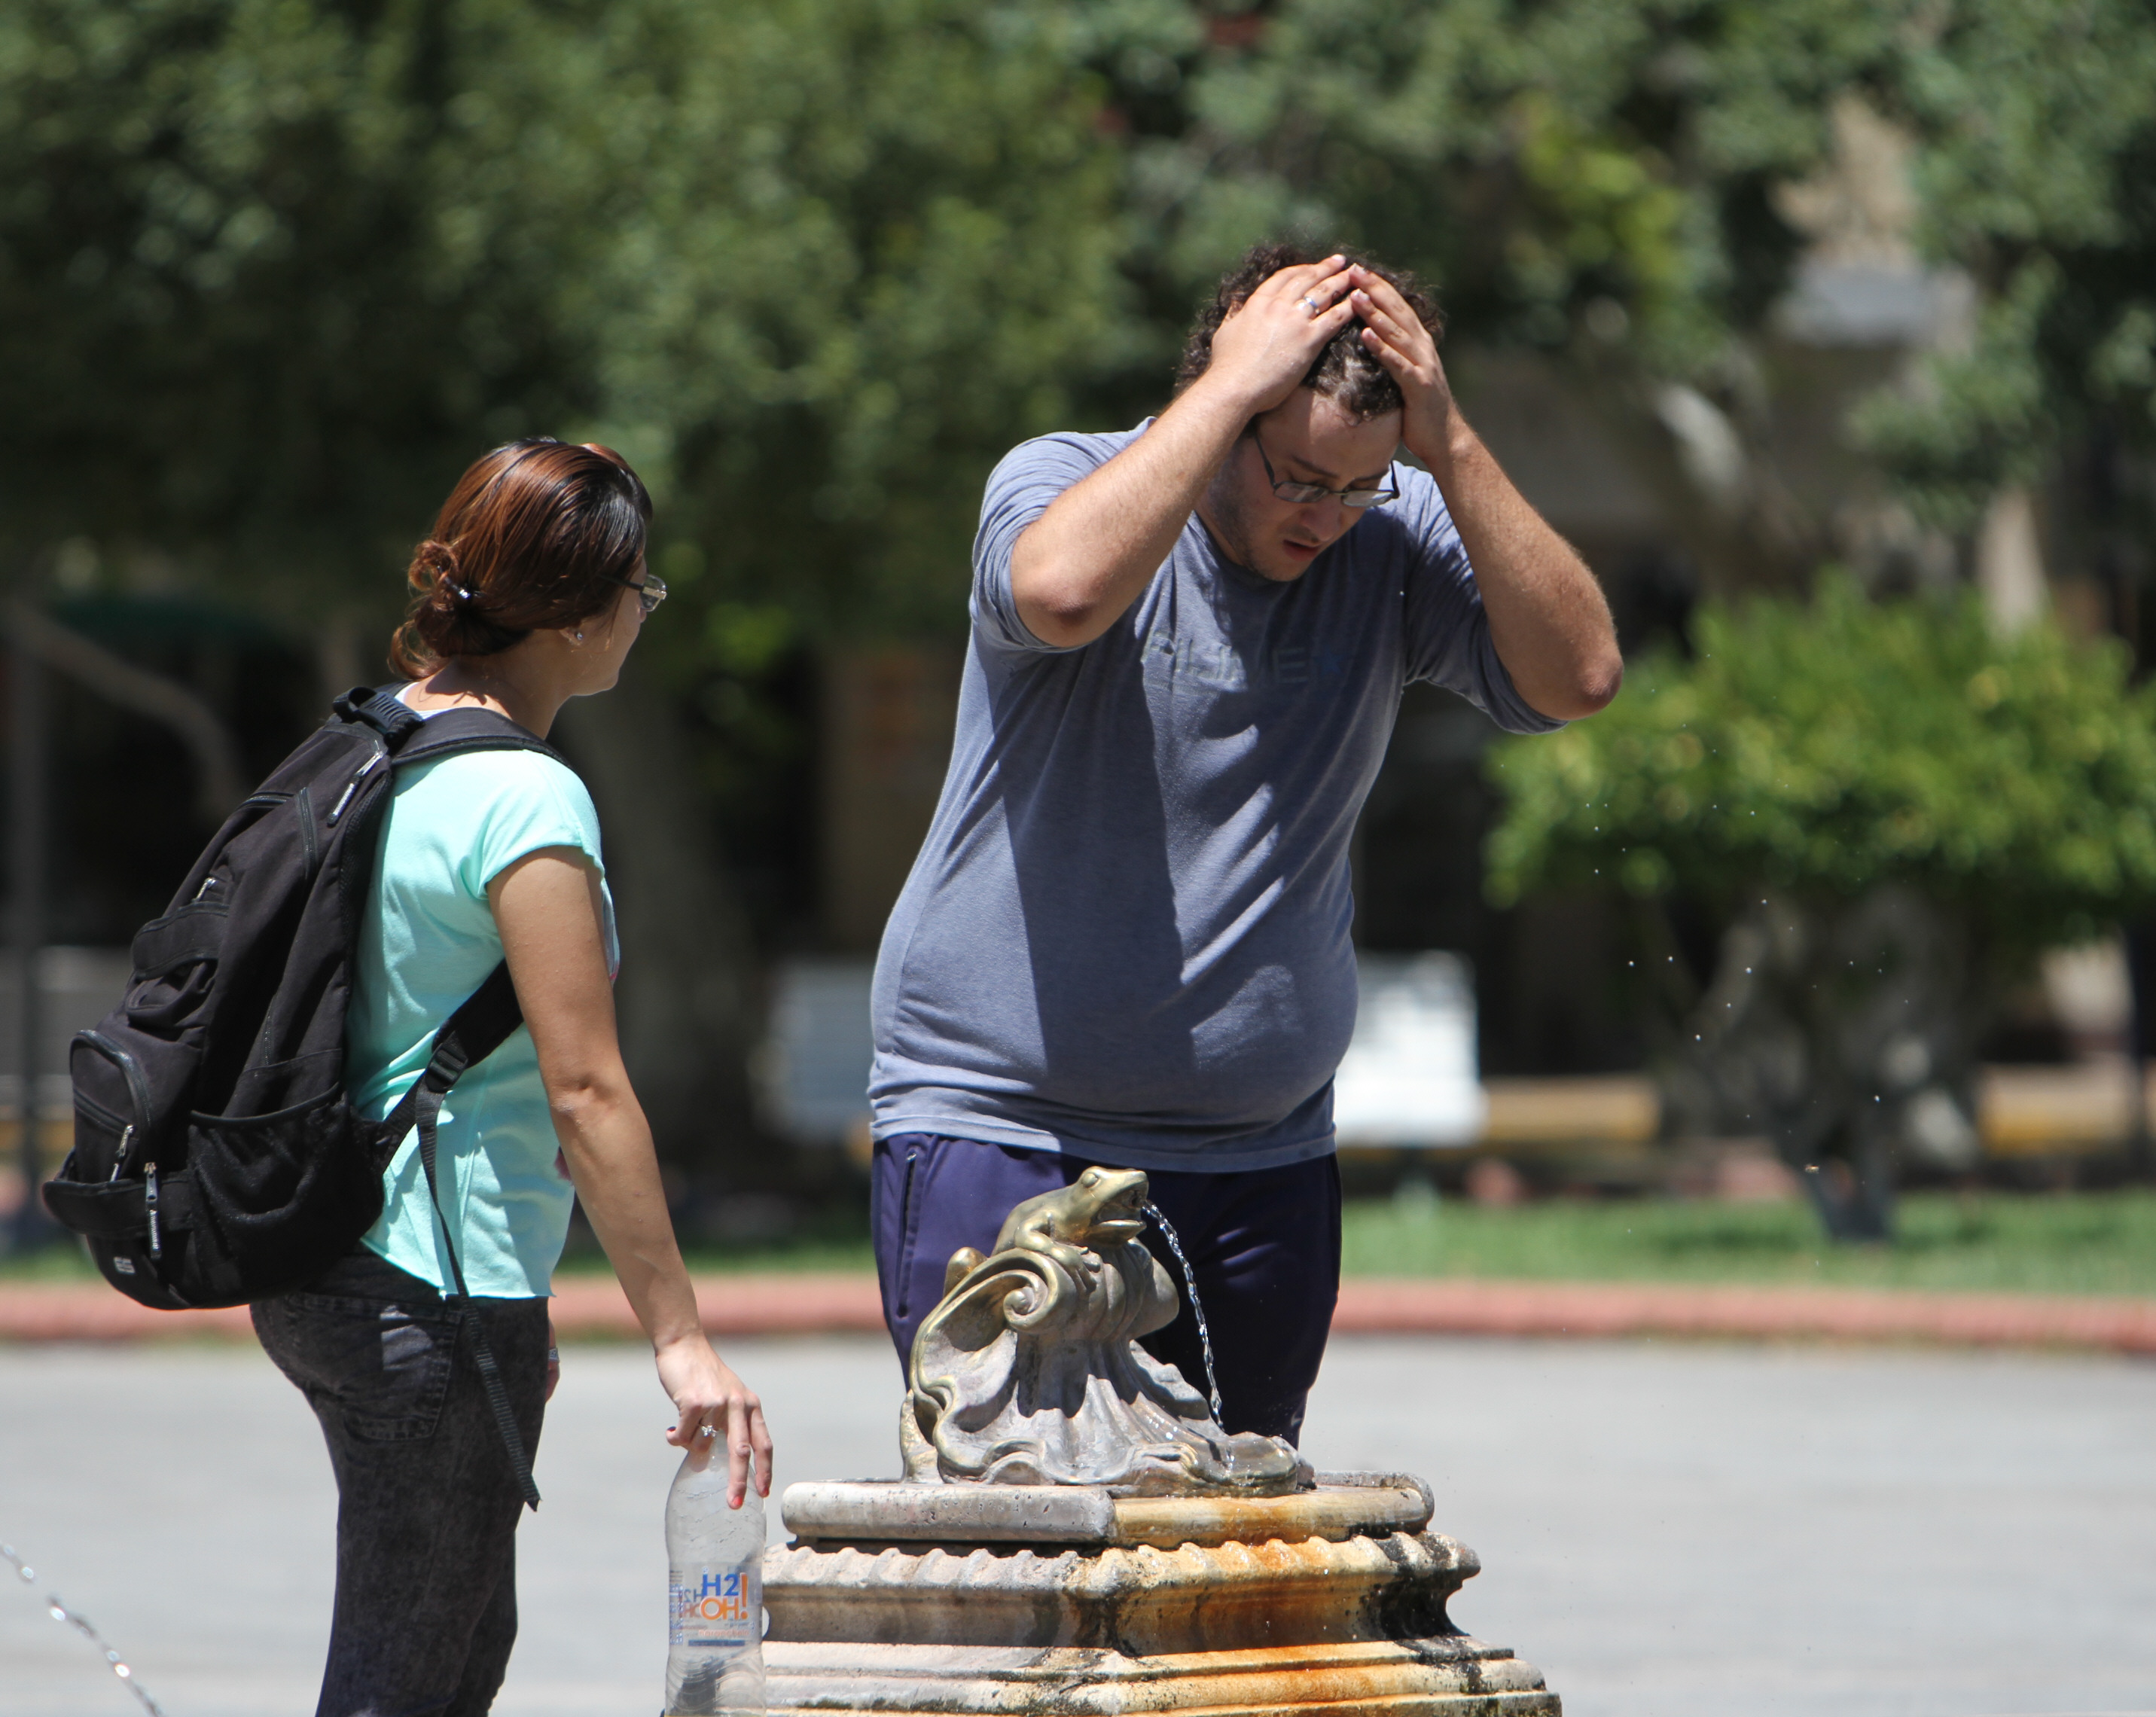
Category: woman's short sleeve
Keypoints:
(521, 803)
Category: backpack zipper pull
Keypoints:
(350, 787)
(120, 1161)
(150, 1203)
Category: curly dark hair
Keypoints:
(1345, 371)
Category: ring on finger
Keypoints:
(707, 1430)
(1312, 304)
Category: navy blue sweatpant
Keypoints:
(1265, 1244)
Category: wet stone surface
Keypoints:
(1197, 1603)
(1341, 1505)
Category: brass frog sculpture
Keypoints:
(1029, 1369)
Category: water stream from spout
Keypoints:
(1196, 1309)
(60, 1612)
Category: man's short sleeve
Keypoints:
(1448, 633)
(1020, 489)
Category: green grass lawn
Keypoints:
(2042, 1243)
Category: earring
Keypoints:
(580, 637)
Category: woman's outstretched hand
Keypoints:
(705, 1391)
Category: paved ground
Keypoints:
(1669, 1530)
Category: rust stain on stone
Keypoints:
(1345, 1627)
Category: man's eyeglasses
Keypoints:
(650, 592)
(1304, 494)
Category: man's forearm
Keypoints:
(1549, 619)
(1079, 565)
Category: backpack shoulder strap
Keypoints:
(412, 737)
(480, 1026)
(471, 1034)
(379, 707)
(456, 731)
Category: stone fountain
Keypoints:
(1075, 1535)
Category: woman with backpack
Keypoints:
(531, 591)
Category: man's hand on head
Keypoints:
(1079, 566)
(1266, 345)
(1548, 616)
(1393, 335)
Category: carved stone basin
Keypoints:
(906, 1598)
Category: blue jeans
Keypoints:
(1264, 1243)
(427, 1503)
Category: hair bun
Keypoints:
(436, 576)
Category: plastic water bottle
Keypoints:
(715, 1594)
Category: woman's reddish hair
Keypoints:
(538, 533)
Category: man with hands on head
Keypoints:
(1126, 939)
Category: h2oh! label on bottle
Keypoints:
(716, 1609)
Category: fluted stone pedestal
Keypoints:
(906, 1598)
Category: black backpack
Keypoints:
(218, 1158)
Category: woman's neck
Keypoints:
(502, 683)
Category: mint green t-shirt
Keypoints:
(427, 941)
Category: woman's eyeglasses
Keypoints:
(650, 592)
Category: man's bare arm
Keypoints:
(1548, 616)
(1079, 565)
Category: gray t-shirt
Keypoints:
(1126, 935)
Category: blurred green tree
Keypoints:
(270, 270)
(240, 333)
(1895, 808)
